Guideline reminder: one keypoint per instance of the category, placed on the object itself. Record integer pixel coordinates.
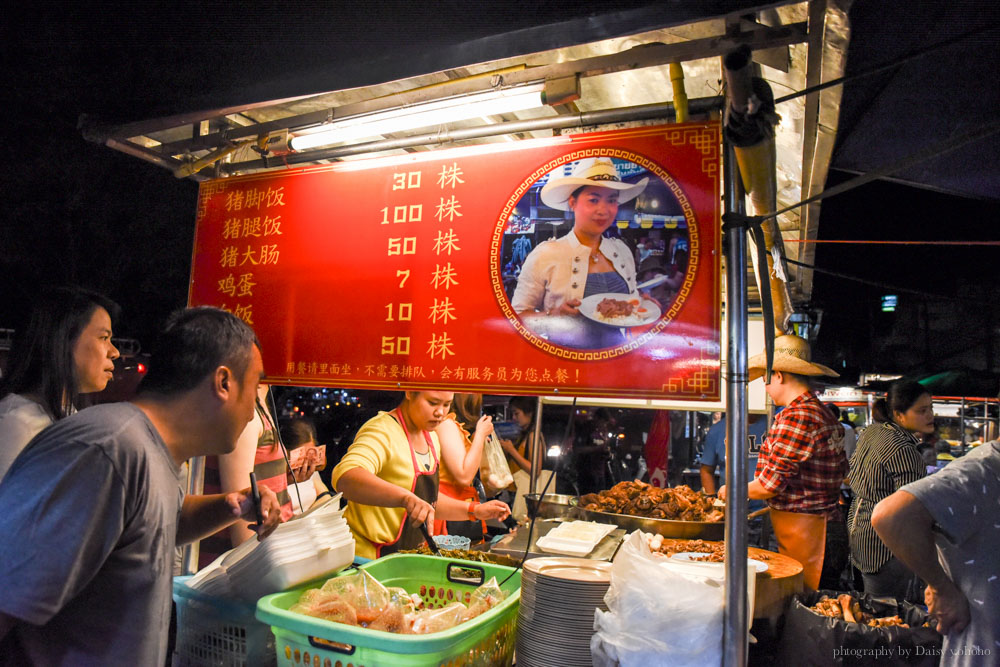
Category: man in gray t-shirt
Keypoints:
(946, 528)
(93, 510)
(87, 557)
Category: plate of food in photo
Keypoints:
(619, 310)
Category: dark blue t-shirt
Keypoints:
(714, 453)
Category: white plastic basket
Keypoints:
(218, 632)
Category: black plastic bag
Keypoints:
(810, 638)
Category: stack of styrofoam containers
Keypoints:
(301, 549)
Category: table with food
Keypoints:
(549, 592)
(676, 523)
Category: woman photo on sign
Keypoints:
(390, 476)
(560, 274)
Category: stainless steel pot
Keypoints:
(550, 506)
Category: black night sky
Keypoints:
(76, 212)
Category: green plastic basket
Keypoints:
(488, 639)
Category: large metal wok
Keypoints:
(553, 506)
(689, 530)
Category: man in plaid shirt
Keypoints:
(802, 465)
(802, 461)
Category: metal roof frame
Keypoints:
(796, 46)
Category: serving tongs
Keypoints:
(431, 544)
(753, 515)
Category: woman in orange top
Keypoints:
(461, 456)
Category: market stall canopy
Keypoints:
(595, 69)
(962, 382)
(954, 382)
(943, 85)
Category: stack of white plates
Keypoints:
(556, 618)
(303, 548)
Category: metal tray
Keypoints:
(513, 544)
(690, 530)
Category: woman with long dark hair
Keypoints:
(887, 457)
(301, 432)
(65, 350)
(519, 451)
(462, 436)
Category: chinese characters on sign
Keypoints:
(250, 235)
(407, 208)
(401, 272)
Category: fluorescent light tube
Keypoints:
(439, 112)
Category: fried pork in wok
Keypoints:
(679, 503)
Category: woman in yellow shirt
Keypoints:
(389, 476)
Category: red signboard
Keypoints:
(448, 269)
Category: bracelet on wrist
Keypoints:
(473, 504)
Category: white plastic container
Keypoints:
(574, 538)
(304, 548)
(254, 583)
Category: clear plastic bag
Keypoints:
(391, 619)
(493, 468)
(363, 592)
(399, 596)
(326, 605)
(437, 620)
(657, 615)
(484, 598)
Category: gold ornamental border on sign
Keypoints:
(496, 247)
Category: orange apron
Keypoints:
(802, 537)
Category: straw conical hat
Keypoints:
(599, 172)
(791, 354)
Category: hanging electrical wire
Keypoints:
(892, 242)
(876, 283)
(876, 69)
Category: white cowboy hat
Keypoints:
(791, 354)
(599, 172)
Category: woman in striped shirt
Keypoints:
(887, 457)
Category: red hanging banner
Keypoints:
(481, 269)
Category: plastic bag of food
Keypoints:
(396, 615)
(391, 619)
(437, 620)
(812, 638)
(657, 615)
(325, 605)
(400, 597)
(363, 592)
(484, 598)
(493, 468)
